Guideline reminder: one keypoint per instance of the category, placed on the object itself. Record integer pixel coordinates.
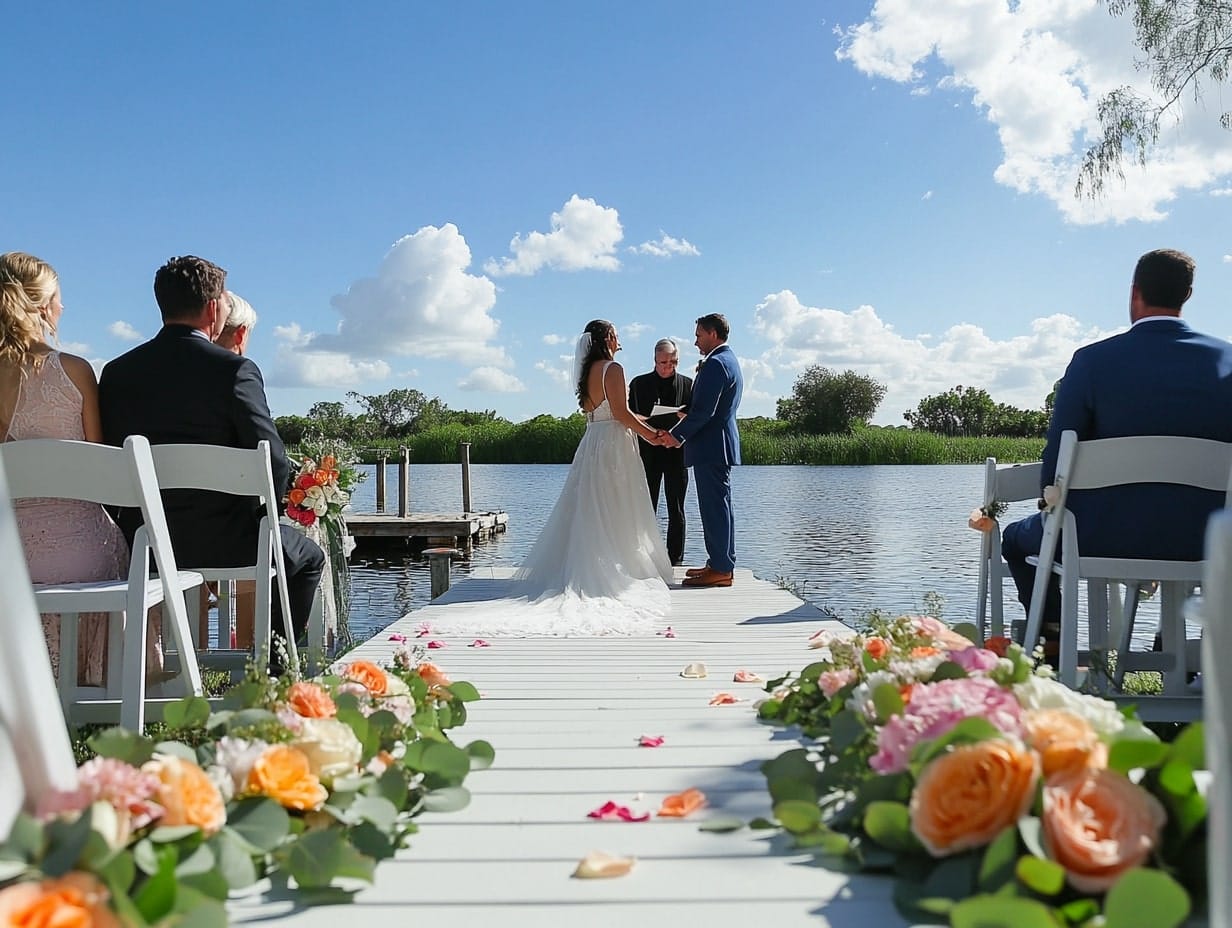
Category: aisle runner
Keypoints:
(565, 717)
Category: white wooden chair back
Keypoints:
(35, 753)
(123, 477)
(1216, 614)
(1109, 462)
(1011, 484)
(239, 472)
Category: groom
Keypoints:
(711, 446)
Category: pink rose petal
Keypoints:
(435, 645)
(479, 643)
(611, 812)
(650, 741)
(667, 632)
(397, 637)
(425, 628)
(746, 676)
(724, 699)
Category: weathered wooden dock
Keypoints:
(460, 529)
(565, 716)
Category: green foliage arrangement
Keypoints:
(995, 795)
(310, 782)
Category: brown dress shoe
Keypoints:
(709, 578)
(696, 571)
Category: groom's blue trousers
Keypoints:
(718, 524)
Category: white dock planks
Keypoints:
(564, 715)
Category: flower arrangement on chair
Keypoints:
(310, 781)
(994, 793)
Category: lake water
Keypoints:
(850, 539)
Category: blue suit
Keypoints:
(1159, 378)
(711, 447)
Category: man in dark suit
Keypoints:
(664, 466)
(712, 446)
(1159, 378)
(181, 388)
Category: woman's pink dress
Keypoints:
(65, 540)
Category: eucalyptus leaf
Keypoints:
(846, 729)
(211, 884)
(259, 821)
(1031, 832)
(155, 899)
(1176, 776)
(967, 630)
(948, 670)
(11, 869)
(1041, 876)
(463, 691)
(176, 749)
(1127, 753)
(1002, 912)
(968, 731)
(197, 910)
(953, 877)
(200, 860)
(889, 824)
(1190, 746)
(122, 745)
(887, 701)
(319, 857)
(762, 824)
(797, 815)
(447, 799)
(721, 825)
(1146, 897)
(375, 809)
(66, 842)
(25, 840)
(482, 754)
(372, 841)
(1000, 857)
(167, 834)
(188, 713)
(235, 859)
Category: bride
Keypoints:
(599, 567)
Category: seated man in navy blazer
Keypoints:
(1159, 378)
(180, 387)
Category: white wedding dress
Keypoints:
(599, 567)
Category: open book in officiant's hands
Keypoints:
(664, 410)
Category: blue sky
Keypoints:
(440, 196)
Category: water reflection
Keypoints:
(850, 539)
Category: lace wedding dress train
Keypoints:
(599, 567)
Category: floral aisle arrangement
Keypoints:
(996, 795)
(307, 783)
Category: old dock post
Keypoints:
(380, 482)
(404, 482)
(464, 453)
(438, 568)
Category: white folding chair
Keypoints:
(122, 477)
(239, 472)
(1109, 462)
(1011, 484)
(35, 754)
(1216, 615)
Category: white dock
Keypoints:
(565, 715)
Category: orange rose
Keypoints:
(321, 477)
(296, 496)
(905, 692)
(1065, 742)
(1097, 824)
(998, 645)
(964, 798)
(187, 793)
(876, 648)
(980, 522)
(368, 674)
(432, 675)
(311, 701)
(329, 462)
(925, 651)
(75, 900)
(283, 773)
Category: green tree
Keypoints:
(1187, 48)
(392, 414)
(823, 402)
(970, 411)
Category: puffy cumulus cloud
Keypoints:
(1037, 69)
(560, 370)
(298, 363)
(667, 246)
(1222, 192)
(491, 380)
(554, 339)
(1019, 370)
(584, 236)
(421, 303)
(124, 332)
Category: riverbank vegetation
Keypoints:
(824, 422)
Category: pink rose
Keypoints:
(974, 660)
(831, 681)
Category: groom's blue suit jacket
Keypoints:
(1159, 378)
(709, 430)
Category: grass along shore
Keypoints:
(553, 440)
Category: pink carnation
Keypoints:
(974, 660)
(831, 681)
(934, 709)
(129, 790)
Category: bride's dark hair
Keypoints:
(598, 329)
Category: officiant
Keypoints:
(662, 396)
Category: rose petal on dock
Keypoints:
(746, 676)
(724, 699)
(397, 637)
(479, 643)
(650, 741)
(435, 644)
(599, 866)
(679, 805)
(611, 812)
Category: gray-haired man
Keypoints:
(664, 466)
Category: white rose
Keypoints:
(331, 747)
(395, 685)
(314, 499)
(1038, 692)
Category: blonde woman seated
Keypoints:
(45, 393)
(240, 319)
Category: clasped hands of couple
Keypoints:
(664, 439)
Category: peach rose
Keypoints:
(296, 497)
(980, 521)
(75, 900)
(876, 648)
(284, 774)
(432, 675)
(187, 793)
(311, 701)
(963, 799)
(1097, 825)
(924, 651)
(998, 645)
(369, 674)
(1065, 742)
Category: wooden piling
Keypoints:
(404, 483)
(464, 453)
(380, 483)
(438, 567)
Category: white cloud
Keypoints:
(560, 371)
(491, 380)
(1222, 192)
(635, 330)
(554, 339)
(1036, 69)
(584, 236)
(1227, 259)
(1019, 370)
(125, 332)
(421, 303)
(666, 247)
(928, 195)
(80, 349)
